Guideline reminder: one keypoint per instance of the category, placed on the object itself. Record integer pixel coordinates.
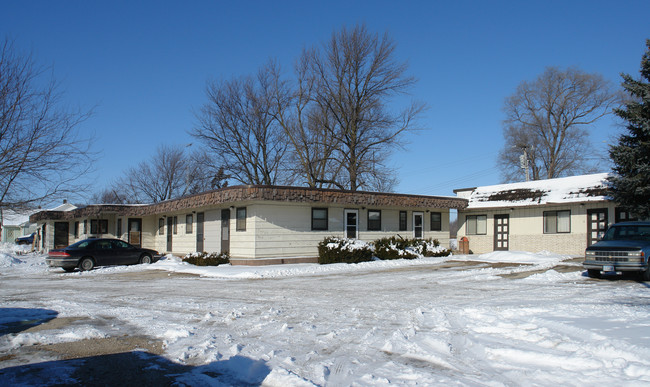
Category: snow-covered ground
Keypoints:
(436, 321)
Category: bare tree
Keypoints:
(550, 118)
(311, 147)
(42, 154)
(355, 76)
(238, 128)
(171, 173)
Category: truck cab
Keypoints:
(625, 247)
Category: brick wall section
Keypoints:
(238, 194)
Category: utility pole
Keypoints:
(523, 162)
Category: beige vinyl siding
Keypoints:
(526, 228)
(242, 243)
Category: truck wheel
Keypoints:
(645, 275)
(593, 273)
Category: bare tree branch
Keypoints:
(551, 118)
(42, 154)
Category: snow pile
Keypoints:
(429, 321)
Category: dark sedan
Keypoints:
(88, 253)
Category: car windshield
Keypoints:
(80, 245)
(636, 233)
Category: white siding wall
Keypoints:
(284, 230)
(526, 230)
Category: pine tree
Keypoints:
(630, 185)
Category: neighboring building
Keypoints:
(563, 215)
(15, 224)
(254, 224)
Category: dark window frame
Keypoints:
(403, 220)
(189, 224)
(175, 225)
(554, 213)
(316, 223)
(76, 229)
(240, 221)
(474, 218)
(85, 226)
(436, 225)
(374, 224)
(161, 226)
(119, 228)
(99, 226)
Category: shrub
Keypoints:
(400, 248)
(394, 248)
(205, 259)
(342, 250)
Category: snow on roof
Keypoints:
(574, 189)
(63, 207)
(15, 218)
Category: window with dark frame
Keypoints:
(161, 226)
(476, 224)
(85, 226)
(622, 215)
(99, 226)
(241, 219)
(76, 229)
(189, 222)
(374, 220)
(175, 225)
(557, 222)
(436, 221)
(119, 228)
(402, 220)
(319, 218)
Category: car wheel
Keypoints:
(68, 269)
(86, 264)
(593, 273)
(145, 258)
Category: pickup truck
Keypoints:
(625, 247)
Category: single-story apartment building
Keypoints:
(563, 215)
(254, 224)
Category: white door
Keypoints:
(418, 225)
(351, 224)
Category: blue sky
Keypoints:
(143, 65)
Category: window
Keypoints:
(241, 219)
(476, 224)
(319, 219)
(189, 222)
(85, 226)
(99, 226)
(374, 220)
(76, 229)
(402, 220)
(622, 215)
(161, 226)
(119, 228)
(556, 222)
(436, 221)
(175, 225)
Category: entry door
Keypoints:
(225, 231)
(596, 224)
(61, 234)
(501, 231)
(351, 224)
(135, 232)
(418, 225)
(199, 231)
(170, 229)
